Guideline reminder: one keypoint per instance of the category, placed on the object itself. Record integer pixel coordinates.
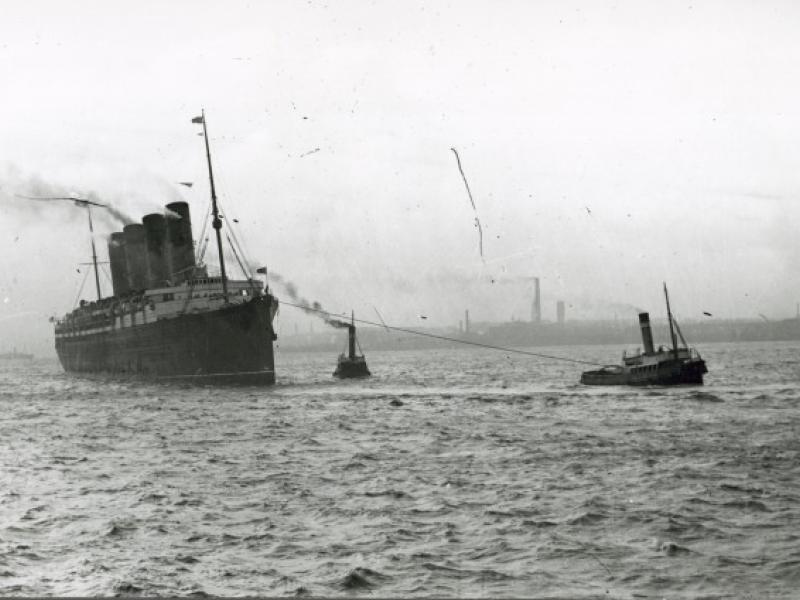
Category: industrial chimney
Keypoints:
(155, 234)
(536, 308)
(119, 268)
(179, 239)
(647, 334)
(560, 312)
(135, 256)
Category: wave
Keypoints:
(748, 505)
(396, 494)
(362, 578)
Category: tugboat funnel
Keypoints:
(647, 333)
(351, 341)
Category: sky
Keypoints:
(608, 146)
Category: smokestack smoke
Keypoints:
(119, 215)
(311, 308)
(14, 182)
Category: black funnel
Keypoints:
(181, 245)
(135, 256)
(119, 268)
(647, 333)
(155, 233)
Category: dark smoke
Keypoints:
(14, 186)
(110, 209)
(603, 306)
(311, 308)
(119, 215)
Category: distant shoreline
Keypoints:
(527, 334)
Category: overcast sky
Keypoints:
(609, 146)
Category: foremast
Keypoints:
(216, 223)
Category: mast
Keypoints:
(80, 203)
(671, 326)
(94, 252)
(217, 222)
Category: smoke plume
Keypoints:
(119, 215)
(311, 308)
(16, 191)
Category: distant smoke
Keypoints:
(13, 185)
(603, 307)
(312, 308)
(139, 192)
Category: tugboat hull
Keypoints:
(351, 368)
(670, 372)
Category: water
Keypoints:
(449, 473)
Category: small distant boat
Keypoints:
(14, 355)
(351, 365)
(665, 366)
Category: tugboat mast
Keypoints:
(671, 326)
(216, 223)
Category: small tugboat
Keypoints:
(351, 365)
(675, 366)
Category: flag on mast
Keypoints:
(197, 119)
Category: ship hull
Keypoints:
(351, 368)
(229, 345)
(668, 372)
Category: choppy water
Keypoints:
(449, 473)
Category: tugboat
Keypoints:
(675, 366)
(351, 365)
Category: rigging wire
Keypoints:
(201, 253)
(235, 244)
(80, 289)
(450, 339)
(222, 186)
(249, 276)
(108, 277)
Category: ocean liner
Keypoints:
(168, 319)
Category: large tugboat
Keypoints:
(665, 366)
(167, 318)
